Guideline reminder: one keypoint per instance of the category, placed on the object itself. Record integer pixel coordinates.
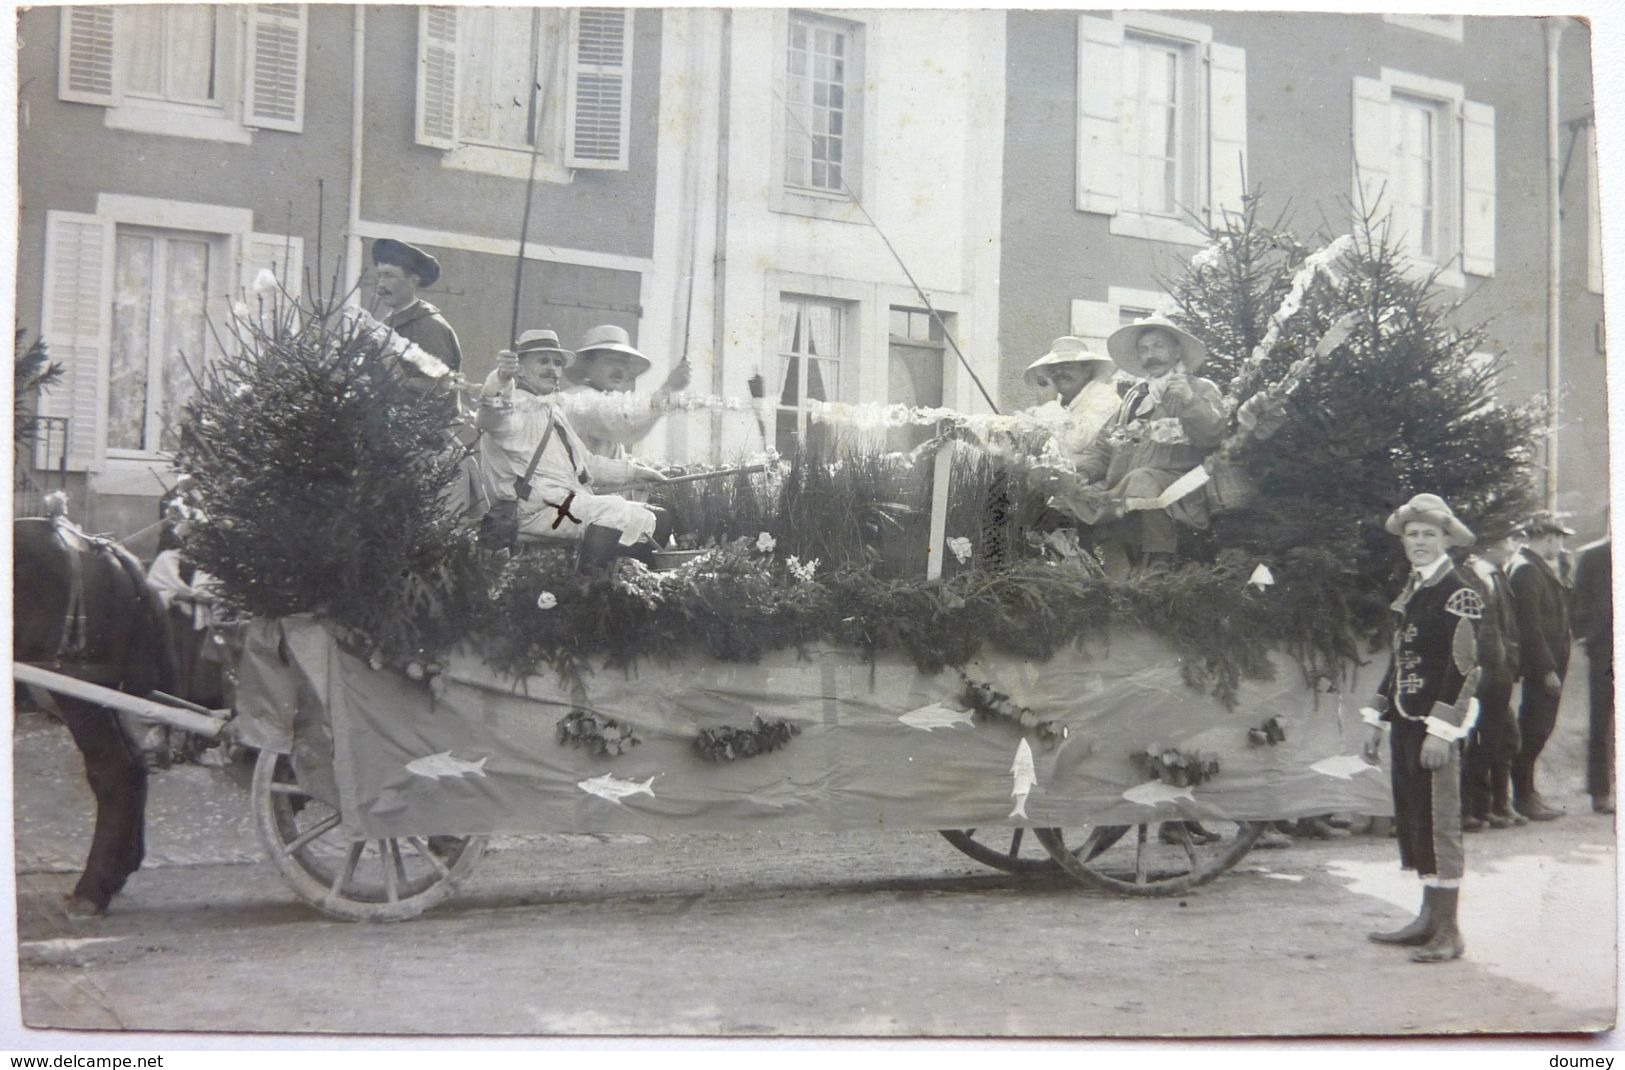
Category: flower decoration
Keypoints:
(265, 282)
(960, 547)
(546, 600)
(1261, 578)
(765, 543)
(802, 570)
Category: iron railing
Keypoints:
(40, 466)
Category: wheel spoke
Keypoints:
(399, 859)
(320, 828)
(1015, 841)
(392, 889)
(1139, 854)
(1091, 842)
(1187, 841)
(350, 861)
(434, 860)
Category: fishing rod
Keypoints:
(538, 100)
(918, 289)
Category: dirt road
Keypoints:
(876, 933)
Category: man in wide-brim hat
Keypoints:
(598, 392)
(1540, 590)
(569, 489)
(1085, 397)
(400, 271)
(1163, 428)
(1426, 703)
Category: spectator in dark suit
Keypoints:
(1594, 626)
(1541, 593)
(1492, 746)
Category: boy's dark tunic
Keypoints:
(1428, 689)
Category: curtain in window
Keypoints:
(189, 38)
(498, 50)
(132, 342)
(184, 335)
(141, 49)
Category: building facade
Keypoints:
(1125, 129)
(855, 205)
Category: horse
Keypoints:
(82, 607)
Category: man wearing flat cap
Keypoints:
(1488, 753)
(598, 392)
(1426, 703)
(1540, 590)
(1163, 428)
(569, 487)
(401, 270)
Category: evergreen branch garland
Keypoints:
(730, 744)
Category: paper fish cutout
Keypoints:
(614, 789)
(1026, 778)
(1261, 578)
(1154, 792)
(935, 715)
(444, 765)
(1342, 766)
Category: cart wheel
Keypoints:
(1023, 853)
(1136, 860)
(357, 880)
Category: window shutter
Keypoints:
(599, 110)
(1373, 149)
(274, 97)
(437, 77)
(86, 72)
(1477, 188)
(75, 323)
(1227, 125)
(1100, 133)
(1094, 321)
(280, 254)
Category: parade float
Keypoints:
(846, 638)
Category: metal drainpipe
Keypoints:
(358, 78)
(1554, 265)
(719, 322)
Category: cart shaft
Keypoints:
(202, 724)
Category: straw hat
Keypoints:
(1545, 522)
(1064, 350)
(1124, 343)
(612, 339)
(543, 341)
(1431, 509)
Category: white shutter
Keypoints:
(274, 93)
(1477, 188)
(1100, 132)
(1373, 148)
(437, 77)
(1227, 126)
(75, 322)
(1094, 321)
(282, 255)
(599, 110)
(86, 72)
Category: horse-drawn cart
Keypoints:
(375, 793)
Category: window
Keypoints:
(917, 357)
(1424, 157)
(809, 363)
(496, 83)
(1415, 127)
(128, 296)
(815, 103)
(1155, 156)
(206, 71)
(160, 337)
(819, 130)
(1446, 26)
(1162, 125)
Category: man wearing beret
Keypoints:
(1540, 590)
(401, 270)
(1426, 703)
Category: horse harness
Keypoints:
(74, 644)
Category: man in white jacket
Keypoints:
(519, 412)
